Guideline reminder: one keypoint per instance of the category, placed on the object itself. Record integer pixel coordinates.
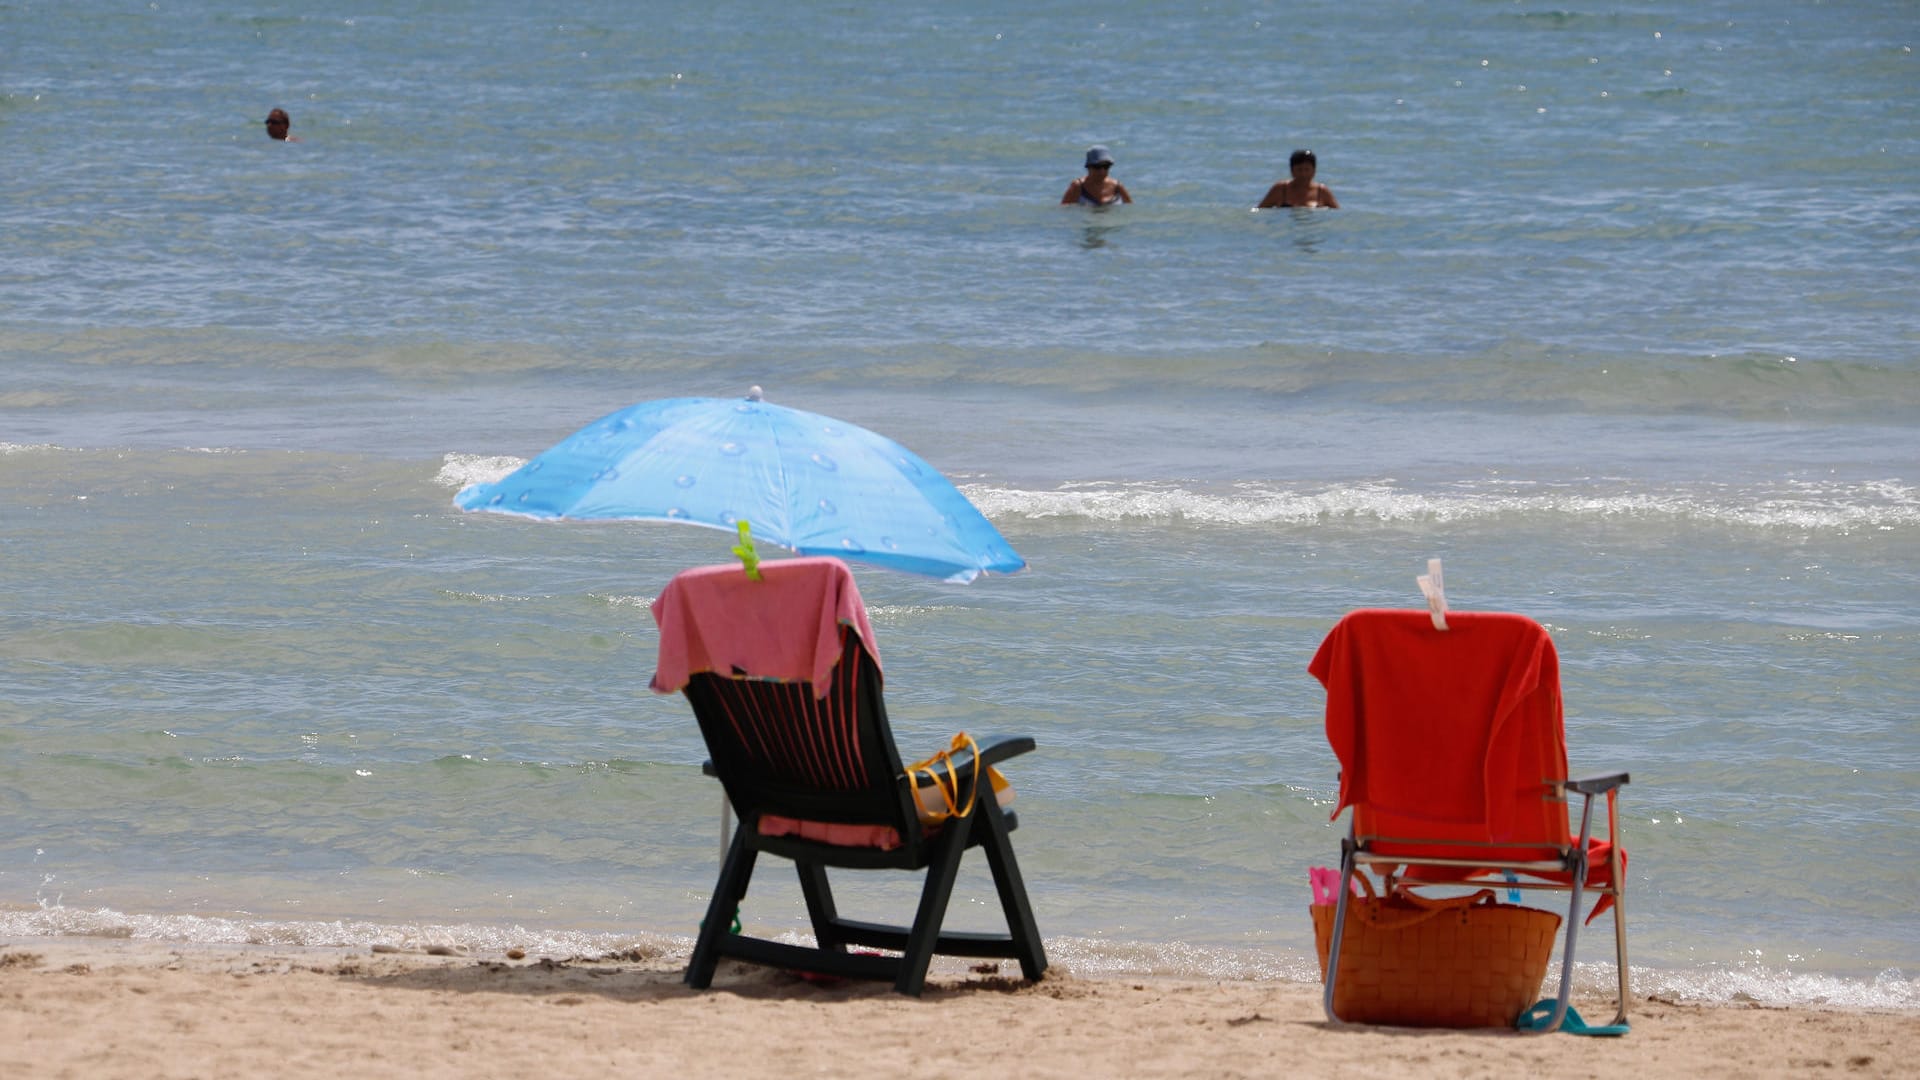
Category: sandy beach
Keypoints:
(96, 1008)
(1615, 318)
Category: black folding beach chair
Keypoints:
(815, 778)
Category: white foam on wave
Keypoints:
(54, 920)
(643, 602)
(1105, 957)
(901, 614)
(1840, 506)
(459, 471)
(54, 448)
(1747, 983)
(490, 598)
(1845, 507)
(1761, 985)
(1149, 503)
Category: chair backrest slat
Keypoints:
(781, 749)
(837, 726)
(785, 681)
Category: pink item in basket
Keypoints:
(1326, 885)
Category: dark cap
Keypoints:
(1302, 155)
(1097, 155)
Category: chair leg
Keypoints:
(1349, 856)
(1573, 922)
(1028, 948)
(820, 906)
(727, 894)
(1618, 873)
(1565, 995)
(942, 870)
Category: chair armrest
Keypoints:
(1597, 785)
(993, 750)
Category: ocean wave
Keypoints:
(1864, 506)
(1841, 506)
(1749, 378)
(55, 920)
(1886, 504)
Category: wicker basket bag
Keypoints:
(1418, 962)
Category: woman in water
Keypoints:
(1096, 188)
(1300, 191)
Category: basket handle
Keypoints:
(1426, 908)
(1432, 904)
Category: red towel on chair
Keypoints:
(791, 632)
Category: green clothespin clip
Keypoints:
(735, 928)
(749, 558)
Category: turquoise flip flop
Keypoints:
(1540, 1015)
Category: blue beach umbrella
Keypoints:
(807, 482)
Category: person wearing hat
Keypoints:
(278, 122)
(1300, 190)
(1096, 188)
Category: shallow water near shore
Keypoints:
(1650, 377)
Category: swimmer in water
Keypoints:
(1096, 188)
(1300, 190)
(278, 123)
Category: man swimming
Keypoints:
(278, 124)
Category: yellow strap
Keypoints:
(949, 786)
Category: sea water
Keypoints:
(1619, 318)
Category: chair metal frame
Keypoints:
(1573, 860)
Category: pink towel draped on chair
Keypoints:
(791, 634)
(788, 632)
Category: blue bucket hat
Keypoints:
(1097, 155)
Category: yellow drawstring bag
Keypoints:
(940, 799)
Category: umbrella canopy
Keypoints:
(810, 483)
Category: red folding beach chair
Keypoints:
(785, 682)
(1453, 758)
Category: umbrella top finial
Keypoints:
(753, 393)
